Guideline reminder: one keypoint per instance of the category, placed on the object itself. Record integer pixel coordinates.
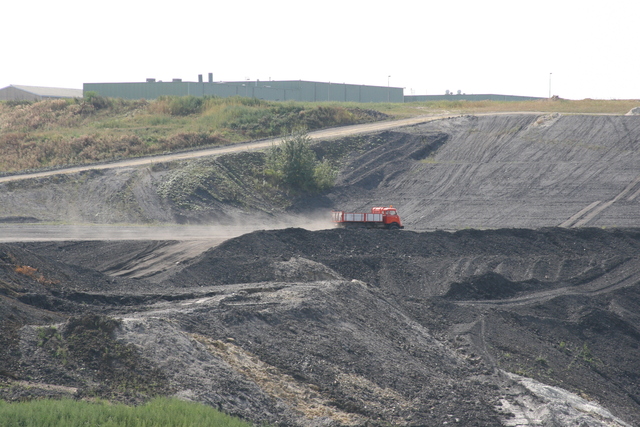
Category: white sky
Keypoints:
(476, 46)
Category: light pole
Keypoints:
(550, 85)
(388, 88)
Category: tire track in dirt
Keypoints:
(245, 146)
(587, 214)
(571, 221)
(337, 132)
(617, 279)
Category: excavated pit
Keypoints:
(349, 327)
(526, 315)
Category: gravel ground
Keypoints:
(520, 170)
(501, 171)
(524, 316)
(349, 327)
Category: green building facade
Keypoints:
(287, 90)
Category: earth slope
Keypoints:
(349, 327)
(502, 171)
(500, 323)
(518, 170)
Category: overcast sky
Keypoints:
(576, 49)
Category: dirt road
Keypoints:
(49, 232)
(484, 171)
(350, 327)
(145, 251)
(255, 145)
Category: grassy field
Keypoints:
(160, 412)
(62, 132)
(80, 131)
(586, 106)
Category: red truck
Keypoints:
(378, 218)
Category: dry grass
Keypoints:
(55, 133)
(303, 397)
(586, 106)
(33, 273)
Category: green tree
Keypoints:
(324, 175)
(293, 162)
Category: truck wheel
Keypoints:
(394, 226)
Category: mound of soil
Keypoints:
(426, 264)
(519, 170)
(345, 327)
(522, 171)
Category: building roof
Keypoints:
(51, 92)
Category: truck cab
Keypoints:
(390, 216)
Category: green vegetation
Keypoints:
(160, 412)
(237, 179)
(294, 165)
(120, 372)
(585, 355)
(92, 129)
(542, 361)
(253, 179)
(54, 133)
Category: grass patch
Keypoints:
(585, 106)
(55, 133)
(237, 179)
(69, 413)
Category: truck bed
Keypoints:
(339, 216)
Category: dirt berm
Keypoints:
(525, 311)
(345, 327)
(498, 171)
(502, 171)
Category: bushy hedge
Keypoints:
(294, 164)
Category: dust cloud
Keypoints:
(213, 233)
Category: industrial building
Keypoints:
(283, 90)
(36, 93)
(465, 97)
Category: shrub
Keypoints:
(293, 164)
(98, 102)
(26, 270)
(16, 103)
(324, 175)
(185, 105)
